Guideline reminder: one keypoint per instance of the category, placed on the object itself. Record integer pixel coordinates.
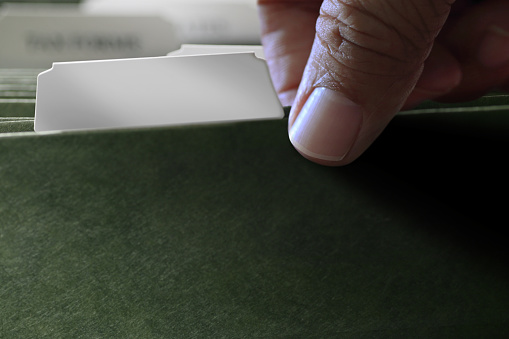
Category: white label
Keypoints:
(190, 49)
(36, 39)
(196, 21)
(171, 90)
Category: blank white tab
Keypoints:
(197, 49)
(171, 90)
(196, 21)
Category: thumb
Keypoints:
(366, 59)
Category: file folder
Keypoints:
(224, 230)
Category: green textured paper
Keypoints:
(225, 231)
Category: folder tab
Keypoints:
(196, 21)
(35, 36)
(169, 90)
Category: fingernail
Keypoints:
(494, 48)
(327, 125)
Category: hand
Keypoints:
(348, 66)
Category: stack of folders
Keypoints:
(17, 99)
(35, 35)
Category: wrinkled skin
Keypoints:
(384, 55)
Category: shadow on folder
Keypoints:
(454, 167)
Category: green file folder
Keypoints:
(225, 231)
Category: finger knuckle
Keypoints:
(397, 31)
